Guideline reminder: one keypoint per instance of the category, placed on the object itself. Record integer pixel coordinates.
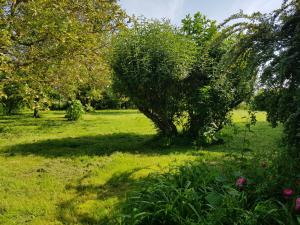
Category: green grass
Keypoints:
(57, 172)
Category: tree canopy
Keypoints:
(184, 74)
(150, 60)
(61, 44)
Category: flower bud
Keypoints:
(287, 193)
(240, 183)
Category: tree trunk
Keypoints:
(164, 124)
(36, 111)
(194, 126)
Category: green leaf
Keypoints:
(214, 199)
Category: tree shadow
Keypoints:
(98, 146)
(26, 119)
(116, 187)
(116, 112)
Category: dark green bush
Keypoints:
(207, 195)
(259, 101)
(75, 110)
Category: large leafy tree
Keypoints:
(62, 44)
(169, 73)
(150, 60)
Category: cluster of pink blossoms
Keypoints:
(287, 193)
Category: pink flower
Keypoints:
(240, 183)
(287, 193)
(297, 205)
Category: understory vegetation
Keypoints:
(208, 193)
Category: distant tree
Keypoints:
(112, 100)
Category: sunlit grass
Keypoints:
(57, 172)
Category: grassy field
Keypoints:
(57, 172)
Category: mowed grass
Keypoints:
(53, 171)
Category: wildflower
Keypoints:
(287, 193)
(240, 183)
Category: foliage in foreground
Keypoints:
(275, 40)
(200, 193)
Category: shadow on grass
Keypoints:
(26, 119)
(104, 204)
(115, 188)
(116, 112)
(98, 146)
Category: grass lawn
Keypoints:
(53, 171)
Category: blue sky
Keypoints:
(175, 10)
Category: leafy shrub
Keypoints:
(75, 110)
(200, 194)
(169, 73)
(216, 84)
(149, 61)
